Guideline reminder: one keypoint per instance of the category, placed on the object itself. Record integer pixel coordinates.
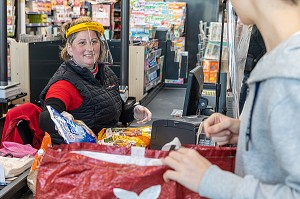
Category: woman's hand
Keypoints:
(189, 168)
(142, 114)
(67, 115)
(222, 129)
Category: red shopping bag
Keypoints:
(67, 171)
(223, 157)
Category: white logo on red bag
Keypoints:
(149, 193)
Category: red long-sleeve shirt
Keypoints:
(66, 92)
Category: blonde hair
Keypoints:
(64, 53)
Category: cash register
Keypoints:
(188, 127)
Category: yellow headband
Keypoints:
(85, 26)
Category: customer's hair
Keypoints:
(64, 53)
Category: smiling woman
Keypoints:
(84, 34)
(85, 49)
(84, 86)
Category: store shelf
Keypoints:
(4, 105)
(9, 99)
(154, 53)
(143, 78)
(38, 24)
(152, 69)
(116, 20)
(40, 0)
(37, 13)
(152, 84)
(59, 21)
(49, 14)
(11, 19)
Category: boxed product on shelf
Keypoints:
(32, 6)
(101, 13)
(210, 69)
(10, 10)
(212, 51)
(215, 31)
(146, 16)
(10, 30)
(30, 38)
(10, 18)
(153, 53)
(174, 81)
(38, 18)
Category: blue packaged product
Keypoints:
(69, 130)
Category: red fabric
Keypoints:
(66, 92)
(96, 70)
(29, 113)
(69, 175)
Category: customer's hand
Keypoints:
(189, 168)
(222, 129)
(142, 114)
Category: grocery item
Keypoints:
(133, 136)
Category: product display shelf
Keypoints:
(38, 24)
(37, 13)
(11, 18)
(33, 64)
(145, 68)
(152, 69)
(5, 101)
(153, 83)
(116, 21)
(147, 17)
(43, 17)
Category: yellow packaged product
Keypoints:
(133, 136)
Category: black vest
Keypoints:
(102, 103)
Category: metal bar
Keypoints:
(218, 85)
(124, 43)
(3, 41)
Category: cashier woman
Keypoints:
(83, 86)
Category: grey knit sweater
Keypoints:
(271, 166)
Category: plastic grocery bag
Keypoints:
(31, 178)
(86, 170)
(15, 166)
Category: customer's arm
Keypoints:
(285, 138)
